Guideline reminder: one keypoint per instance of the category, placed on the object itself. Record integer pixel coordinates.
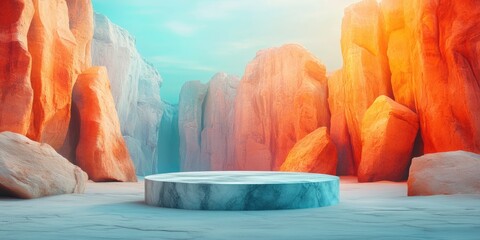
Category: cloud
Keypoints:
(173, 62)
(181, 28)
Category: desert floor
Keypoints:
(366, 211)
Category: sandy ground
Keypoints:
(366, 211)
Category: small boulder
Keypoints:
(315, 153)
(30, 169)
(445, 173)
(389, 130)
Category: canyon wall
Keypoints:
(366, 70)
(205, 121)
(218, 121)
(425, 56)
(443, 75)
(45, 46)
(44, 50)
(190, 113)
(135, 88)
(281, 98)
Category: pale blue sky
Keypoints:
(194, 39)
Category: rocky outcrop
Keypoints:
(101, 149)
(47, 45)
(445, 173)
(366, 70)
(168, 141)
(57, 59)
(388, 134)
(80, 20)
(190, 118)
(338, 124)
(218, 121)
(281, 98)
(30, 169)
(205, 121)
(135, 89)
(315, 153)
(446, 72)
(44, 47)
(398, 52)
(16, 91)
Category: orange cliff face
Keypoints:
(366, 69)
(434, 59)
(338, 124)
(399, 54)
(57, 59)
(44, 46)
(101, 149)
(446, 72)
(281, 98)
(16, 94)
(43, 51)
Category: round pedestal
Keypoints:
(241, 190)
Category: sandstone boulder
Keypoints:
(389, 130)
(315, 153)
(101, 149)
(30, 169)
(281, 98)
(445, 173)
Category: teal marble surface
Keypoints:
(241, 190)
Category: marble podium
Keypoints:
(241, 190)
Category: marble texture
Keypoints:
(241, 190)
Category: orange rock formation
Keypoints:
(446, 72)
(314, 153)
(338, 124)
(366, 69)
(281, 98)
(388, 133)
(57, 59)
(435, 67)
(16, 94)
(101, 150)
(44, 46)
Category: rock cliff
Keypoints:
(281, 98)
(135, 88)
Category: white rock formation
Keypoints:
(205, 120)
(135, 86)
(190, 113)
(218, 117)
